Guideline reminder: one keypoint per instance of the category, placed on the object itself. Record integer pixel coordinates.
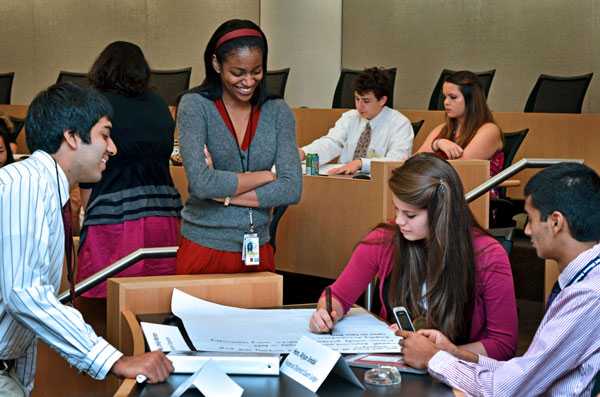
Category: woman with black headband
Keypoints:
(231, 135)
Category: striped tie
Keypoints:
(363, 143)
(553, 294)
(68, 226)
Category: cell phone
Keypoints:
(403, 319)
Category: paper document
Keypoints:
(167, 338)
(213, 327)
(324, 169)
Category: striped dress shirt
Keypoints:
(31, 261)
(563, 357)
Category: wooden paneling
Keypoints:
(317, 235)
(153, 295)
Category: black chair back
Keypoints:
(512, 143)
(169, 84)
(18, 124)
(277, 214)
(555, 94)
(436, 102)
(596, 387)
(275, 82)
(6, 82)
(344, 90)
(416, 126)
(81, 79)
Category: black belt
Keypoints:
(6, 365)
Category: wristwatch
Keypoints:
(227, 201)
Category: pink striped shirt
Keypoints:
(563, 357)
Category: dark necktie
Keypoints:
(363, 143)
(67, 224)
(553, 294)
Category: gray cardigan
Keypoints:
(208, 222)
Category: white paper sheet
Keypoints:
(213, 327)
(167, 338)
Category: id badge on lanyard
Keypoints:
(250, 247)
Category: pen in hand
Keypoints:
(328, 306)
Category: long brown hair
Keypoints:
(444, 261)
(477, 112)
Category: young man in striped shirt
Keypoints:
(563, 205)
(68, 131)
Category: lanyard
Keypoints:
(238, 146)
(584, 272)
(245, 168)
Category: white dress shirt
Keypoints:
(563, 357)
(31, 262)
(391, 138)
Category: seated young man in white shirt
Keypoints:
(371, 131)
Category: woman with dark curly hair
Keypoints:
(135, 204)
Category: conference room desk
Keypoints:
(282, 385)
(317, 236)
(551, 135)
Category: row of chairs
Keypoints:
(550, 94)
(167, 83)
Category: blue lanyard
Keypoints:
(585, 271)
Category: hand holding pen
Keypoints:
(328, 312)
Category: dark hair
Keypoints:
(9, 154)
(477, 112)
(63, 107)
(445, 261)
(121, 68)
(211, 86)
(373, 79)
(573, 190)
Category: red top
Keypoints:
(494, 322)
(250, 128)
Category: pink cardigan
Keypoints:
(494, 322)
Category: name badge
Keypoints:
(250, 249)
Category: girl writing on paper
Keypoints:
(436, 261)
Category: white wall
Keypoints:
(38, 38)
(305, 35)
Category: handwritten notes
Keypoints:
(213, 327)
(310, 363)
(163, 337)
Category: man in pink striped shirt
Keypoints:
(563, 205)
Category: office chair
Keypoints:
(18, 124)
(80, 79)
(502, 209)
(169, 84)
(6, 82)
(277, 215)
(416, 126)
(344, 90)
(437, 97)
(275, 82)
(555, 94)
